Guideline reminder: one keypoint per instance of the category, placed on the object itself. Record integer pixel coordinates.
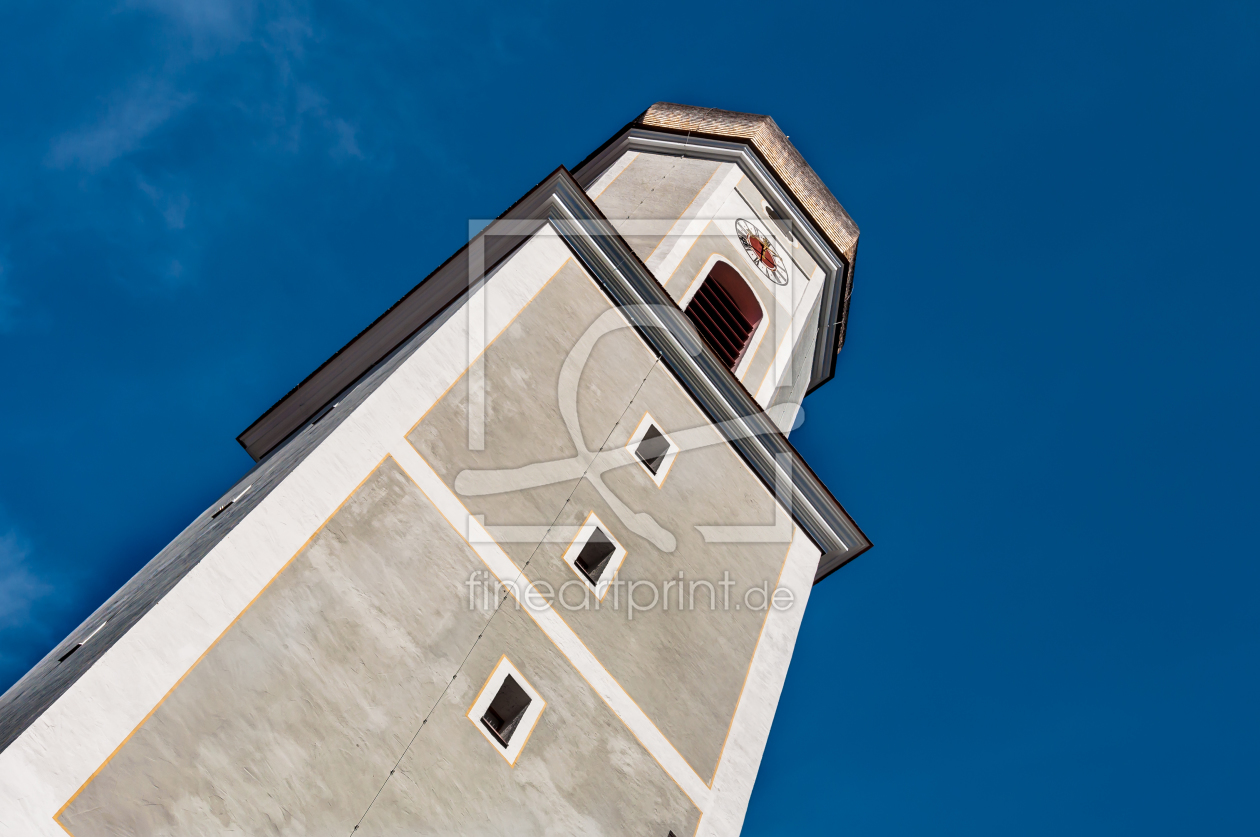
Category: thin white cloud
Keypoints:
(128, 120)
(347, 145)
(173, 207)
(206, 20)
(19, 588)
(210, 29)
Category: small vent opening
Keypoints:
(594, 556)
(66, 655)
(80, 644)
(506, 710)
(652, 449)
(324, 412)
(229, 503)
(784, 224)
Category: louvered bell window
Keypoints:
(726, 313)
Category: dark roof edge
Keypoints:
(414, 310)
(764, 136)
(433, 293)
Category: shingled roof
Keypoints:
(779, 154)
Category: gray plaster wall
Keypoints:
(292, 721)
(49, 679)
(654, 187)
(523, 420)
(685, 670)
(581, 771)
(365, 649)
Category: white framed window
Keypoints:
(506, 710)
(652, 449)
(595, 555)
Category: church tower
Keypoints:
(528, 556)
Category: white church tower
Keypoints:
(528, 556)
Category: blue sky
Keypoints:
(1045, 415)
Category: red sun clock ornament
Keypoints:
(758, 247)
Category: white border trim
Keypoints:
(686, 231)
(76, 736)
(610, 174)
(553, 625)
(750, 729)
(62, 749)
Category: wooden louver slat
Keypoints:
(720, 322)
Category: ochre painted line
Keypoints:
(690, 247)
(756, 648)
(709, 263)
(502, 657)
(486, 348)
(683, 221)
(170, 691)
(57, 816)
(634, 155)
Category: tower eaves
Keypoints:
(765, 136)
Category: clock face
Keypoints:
(760, 248)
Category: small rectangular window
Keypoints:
(506, 710)
(652, 449)
(594, 556)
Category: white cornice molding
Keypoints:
(707, 148)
